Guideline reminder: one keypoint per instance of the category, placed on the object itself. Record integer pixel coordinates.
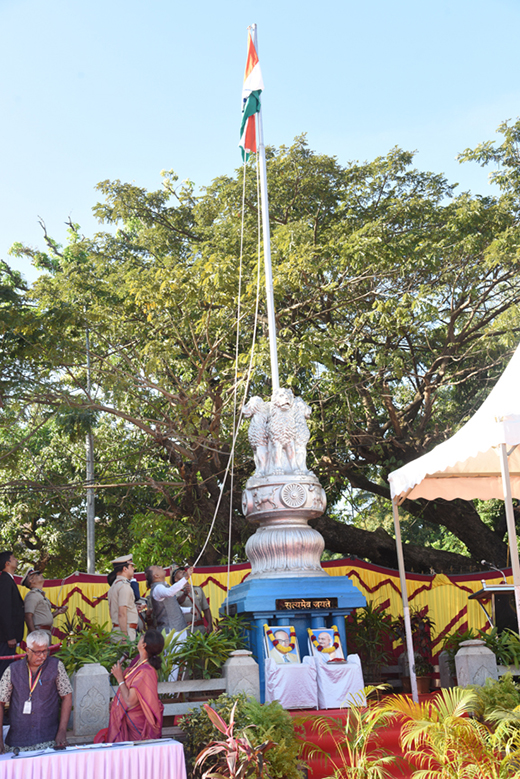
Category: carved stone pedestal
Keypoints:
(91, 699)
(287, 585)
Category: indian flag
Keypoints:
(253, 85)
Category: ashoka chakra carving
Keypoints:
(293, 495)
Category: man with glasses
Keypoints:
(38, 692)
(121, 600)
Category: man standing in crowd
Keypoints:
(166, 610)
(39, 614)
(33, 688)
(121, 600)
(11, 609)
(203, 621)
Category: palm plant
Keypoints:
(357, 754)
(446, 742)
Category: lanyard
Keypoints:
(31, 684)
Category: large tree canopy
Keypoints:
(396, 308)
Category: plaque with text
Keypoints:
(299, 604)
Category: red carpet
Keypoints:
(388, 740)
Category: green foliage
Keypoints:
(204, 654)
(91, 643)
(234, 758)
(493, 696)
(356, 753)
(422, 626)
(268, 722)
(505, 645)
(446, 742)
(171, 642)
(397, 308)
(368, 633)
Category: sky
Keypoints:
(123, 90)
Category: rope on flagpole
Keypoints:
(240, 417)
(235, 428)
(236, 425)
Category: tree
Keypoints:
(396, 311)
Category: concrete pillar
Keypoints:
(474, 663)
(446, 677)
(91, 699)
(242, 674)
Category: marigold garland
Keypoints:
(329, 649)
(276, 643)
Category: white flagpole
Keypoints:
(511, 529)
(406, 608)
(271, 321)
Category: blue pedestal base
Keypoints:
(256, 598)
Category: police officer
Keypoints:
(39, 612)
(121, 599)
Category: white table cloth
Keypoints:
(152, 760)
(340, 684)
(293, 684)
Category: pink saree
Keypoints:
(143, 720)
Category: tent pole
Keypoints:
(511, 529)
(406, 608)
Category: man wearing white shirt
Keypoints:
(169, 615)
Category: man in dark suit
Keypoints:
(11, 609)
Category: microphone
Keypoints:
(491, 565)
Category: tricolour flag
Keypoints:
(253, 85)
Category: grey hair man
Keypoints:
(38, 692)
(167, 612)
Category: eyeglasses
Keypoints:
(40, 652)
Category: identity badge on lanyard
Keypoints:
(27, 707)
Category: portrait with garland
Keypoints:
(282, 644)
(326, 644)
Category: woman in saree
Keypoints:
(136, 713)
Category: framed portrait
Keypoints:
(282, 644)
(326, 644)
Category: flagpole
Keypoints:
(271, 321)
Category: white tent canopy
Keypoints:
(480, 461)
(468, 464)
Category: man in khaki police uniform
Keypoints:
(121, 600)
(39, 614)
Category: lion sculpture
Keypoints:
(258, 411)
(278, 433)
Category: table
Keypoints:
(164, 758)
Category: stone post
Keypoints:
(91, 700)
(446, 677)
(474, 663)
(241, 673)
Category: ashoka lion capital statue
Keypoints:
(282, 495)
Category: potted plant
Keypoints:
(267, 722)
(200, 657)
(422, 626)
(369, 631)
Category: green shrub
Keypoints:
(204, 654)
(88, 642)
(503, 695)
(505, 645)
(269, 721)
